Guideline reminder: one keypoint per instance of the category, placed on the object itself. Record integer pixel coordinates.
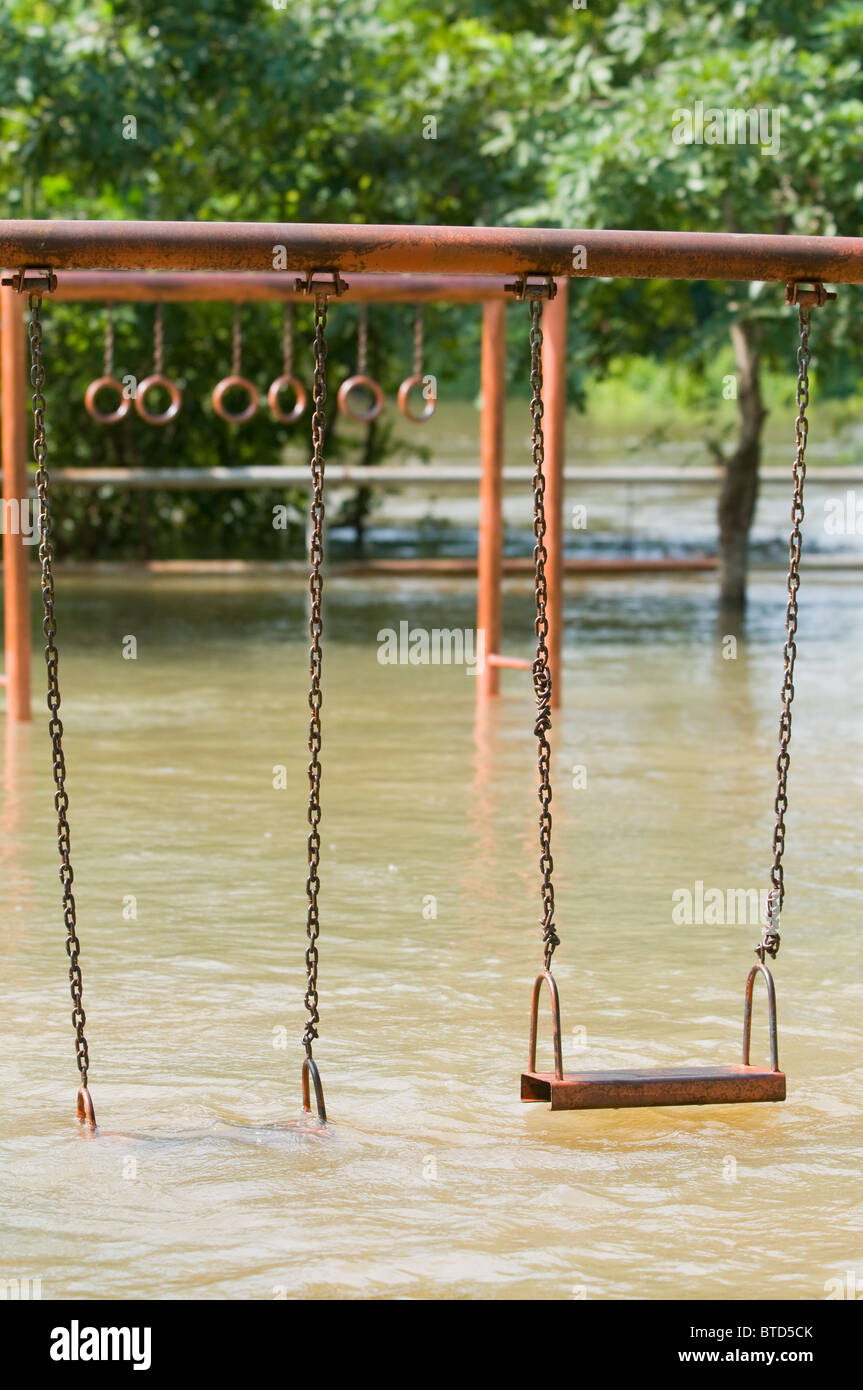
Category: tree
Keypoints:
(628, 139)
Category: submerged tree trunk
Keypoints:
(739, 492)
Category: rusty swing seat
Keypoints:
(654, 1086)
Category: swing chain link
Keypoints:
(804, 299)
(55, 726)
(316, 548)
(541, 672)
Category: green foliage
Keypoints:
(319, 112)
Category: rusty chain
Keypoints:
(541, 672)
(55, 725)
(804, 299)
(316, 547)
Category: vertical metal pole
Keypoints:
(489, 564)
(15, 448)
(554, 418)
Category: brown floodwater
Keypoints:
(434, 1181)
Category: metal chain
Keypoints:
(55, 726)
(288, 341)
(316, 555)
(158, 341)
(363, 341)
(541, 672)
(109, 340)
(237, 347)
(769, 944)
(418, 340)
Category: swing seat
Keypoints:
(654, 1086)
(609, 1090)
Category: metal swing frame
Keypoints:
(394, 251)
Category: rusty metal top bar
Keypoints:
(86, 245)
(248, 286)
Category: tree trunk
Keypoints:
(739, 492)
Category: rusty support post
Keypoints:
(554, 418)
(15, 447)
(493, 379)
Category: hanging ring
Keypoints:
(241, 416)
(361, 380)
(555, 1023)
(429, 403)
(172, 410)
(310, 1069)
(84, 1107)
(286, 382)
(108, 417)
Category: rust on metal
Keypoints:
(106, 417)
(170, 411)
(428, 407)
(228, 383)
(245, 287)
(286, 382)
(84, 1107)
(310, 1070)
(512, 663)
(361, 381)
(641, 1086)
(608, 1090)
(807, 295)
(88, 245)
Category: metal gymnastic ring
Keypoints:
(112, 416)
(287, 383)
(241, 416)
(555, 1023)
(404, 392)
(761, 969)
(310, 1069)
(173, 391)
(86, 1113)
(377, 405)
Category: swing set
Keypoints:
(536, 258)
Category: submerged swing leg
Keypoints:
(606, 1090)
(86, 1112)
(310, 1070)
